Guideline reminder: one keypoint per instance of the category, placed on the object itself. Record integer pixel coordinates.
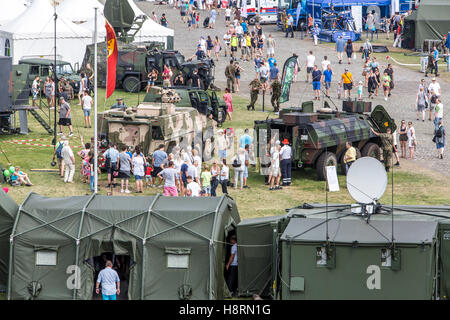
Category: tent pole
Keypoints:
(77, 242)
(95, 107)
(211, 249)
(11, 242)
(144, 249)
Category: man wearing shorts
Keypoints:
(316, 77)
(270, 46)
(326, 78)
(170, 180)
(86, 104)
(35, 89)
(64, 116)
(157, 160)
(234, 44)
(310, 59)
(347, 80)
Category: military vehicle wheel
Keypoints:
(326, 159)
(131, 84)
(358, 155)
(371, 150)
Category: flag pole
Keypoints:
(95, 109)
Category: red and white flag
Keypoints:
(111, 41)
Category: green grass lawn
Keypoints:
(253, 202)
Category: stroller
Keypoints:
(206, 22)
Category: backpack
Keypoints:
(237, 162)
(58, 151)
(438, 133)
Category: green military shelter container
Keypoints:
(257, 252)
(8, 212)
(359, 261)
(177, 245)
(429, 22)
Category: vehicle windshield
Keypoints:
(180, 58)
(284, 4)
(64, 69)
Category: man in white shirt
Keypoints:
(198, 160)
(192, 188)
(286, 164)
(325, 63)
(192, 171)
(69, 162)
(86, 103)
(227, 16)
(227, 40)
(35, 89)
(434, 86)
(310, 60)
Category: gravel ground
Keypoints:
(401, 104)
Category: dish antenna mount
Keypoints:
(366, 183)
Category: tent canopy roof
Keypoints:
(11, 9)
(132, 215)
(37, 23)
(351, 230)
(79, 10)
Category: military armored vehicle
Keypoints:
(206, 102)
(44, 68)
(135, 61)
(318, 138)
(150, 124)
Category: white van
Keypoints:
(265, 9)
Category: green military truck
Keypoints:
(135, 61)
(44, 68)
(318, 138)
(206, 102)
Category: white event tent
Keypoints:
(33, 34)
(151, 30)
(11, 9)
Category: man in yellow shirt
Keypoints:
(349, 156)
(347, 80)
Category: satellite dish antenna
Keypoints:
(366, 182)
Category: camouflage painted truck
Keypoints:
(150, 124)
(318, 138)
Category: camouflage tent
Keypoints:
(176, 245)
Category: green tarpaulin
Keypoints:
(8, 211)
(177, 245)
(430, 21)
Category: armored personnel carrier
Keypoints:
(150, 124)
(318, 138)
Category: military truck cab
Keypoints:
(318, 138)
(44, 68)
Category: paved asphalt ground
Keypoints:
(401, 104)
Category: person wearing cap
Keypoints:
(286, 162)
(64, 116)
(340, 48)
(315, 34)
(119, 105)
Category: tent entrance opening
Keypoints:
(121, 264)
